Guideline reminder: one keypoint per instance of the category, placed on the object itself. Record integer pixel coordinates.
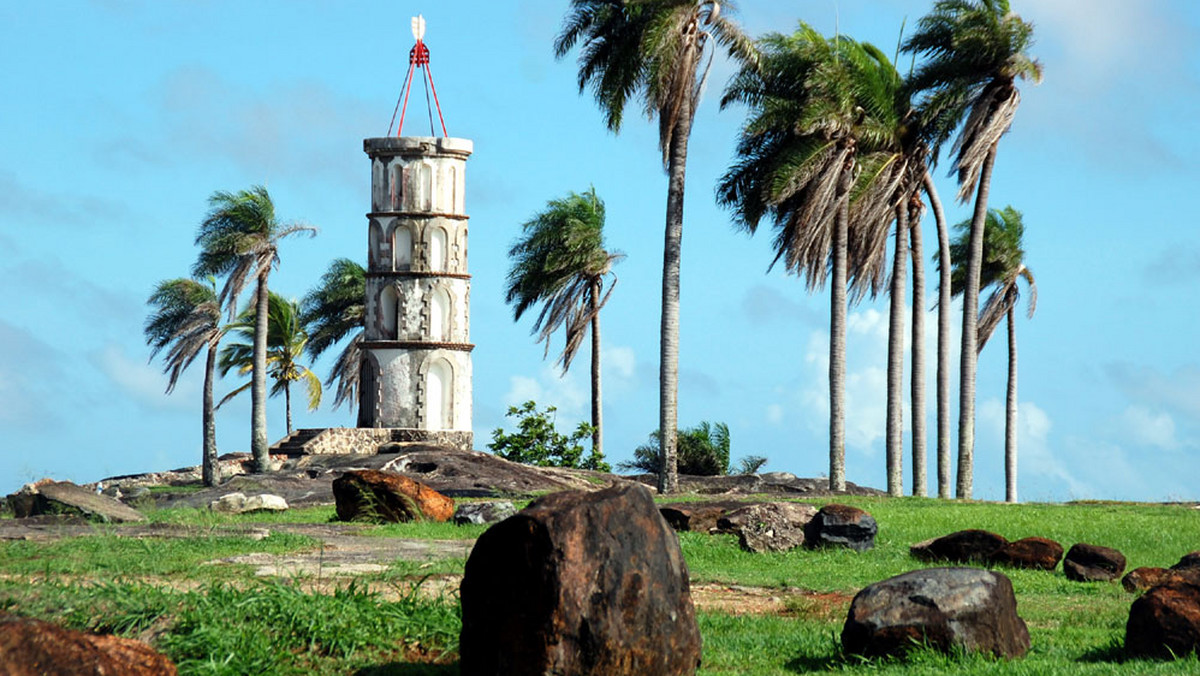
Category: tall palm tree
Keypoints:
(560, 263)
(287, 339)
(185, 319)
(1002, 267)
(333, 311)
(818, 157)
(653, 50)
(975, 51)
(239, 240)
(943, 339)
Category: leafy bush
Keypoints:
(703, 450)
(538, 442)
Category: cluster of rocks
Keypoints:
(1164, 622)
(1083, 562)
(776, 526)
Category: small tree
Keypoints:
(703, 451)
(538, 442)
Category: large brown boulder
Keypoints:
(1036, 553)
(700, 516)
(579, 583)
(371, 495)
(768, 526)
(1141, 579)
(30, 647)
(1093, 563)
(841, 526)
(1164, 622)
(948, 609)
(964, 546)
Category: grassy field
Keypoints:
(223, 620)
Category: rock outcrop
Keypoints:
(1036, 553)
(371, 495)
(1164, 622)
(483, 512)
(768, 526)
(64, 497)
(1093, 563)
(964, 546)
(841, 526)
(579, 583)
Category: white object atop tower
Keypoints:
(418, 27)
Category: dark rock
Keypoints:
(947, 608)
(841, 526)
(1036, 553)
(64, 497)
(1141, 579)
(579, 583)
(30, 647)
(964, 546)
(1189, 560)
(1164, 622)
(371, 495)
(768, 526)
(483, 512)
(1093, 563)
(699, 516)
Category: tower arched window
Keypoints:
(437, 249)
(439, 315)
(439, 394)
(389, 299)
(402, 247)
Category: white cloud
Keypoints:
(1041, 472)
(1145, 427)
(144, 382)
(548, 388)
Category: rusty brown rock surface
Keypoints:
(841, 526)
(1037, 553)
(699, 516)
(373, 495)
(1164, 622)
(1189, 560)
(30, 647)
(1141, 579)
(964, 546)
(970, 609)
(579, 583)
(1093, 563)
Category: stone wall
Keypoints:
(365, 440)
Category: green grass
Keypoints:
(1075, 628)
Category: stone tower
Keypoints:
(416, 377)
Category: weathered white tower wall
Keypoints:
(416, 374)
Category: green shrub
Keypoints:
(703, 450)
(538, 442)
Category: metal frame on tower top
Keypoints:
(418, 57)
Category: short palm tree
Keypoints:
(820, 158)
(1003, 266)
(239, 240)
(975, 51)
(653, 50)
(560, 263)
(185, 319)
(286, 342)
(332, 312)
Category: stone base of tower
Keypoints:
(367, 440)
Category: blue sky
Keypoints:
(120, 117)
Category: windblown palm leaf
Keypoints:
(333, 311)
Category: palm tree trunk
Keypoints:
(258, 382)
(1010, 418)
(208, 462)
(597, 412)
(969, 358)
(287, 399)
(668, 369)
(943, 341)
(837, 339)
(920, 482)
(895, 358)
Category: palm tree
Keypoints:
(976, 50)
(333, 311)
(653, 50)
(239, 240)
(819, 156)
(560, 263)
(186, 318)
(1002, 267)
(943, 339)
(286, 342)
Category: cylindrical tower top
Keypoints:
(426, 146)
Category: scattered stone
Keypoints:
(964, 546)
(1036, 553)
(371, 495)
(231, 503)
(1093, 563)
(841, 526)
(1141, 579)
(1164, 622)
(64, 497)
(700, 516)
(1189, 560)
(769, 526)
(579, 582)
(947, 608)
(483, 512)
(30, 647)
(265, 502)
